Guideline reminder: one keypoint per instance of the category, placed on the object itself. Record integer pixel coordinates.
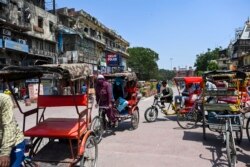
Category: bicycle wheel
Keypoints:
(231, 150)
(238, 135)
(97, 127)
(90, 156)
(187, 119)
(135, 119)
(151, 114)
(248, 129)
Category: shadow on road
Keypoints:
(217, 148)
(123, 126)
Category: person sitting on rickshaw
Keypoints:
(118, 92)
(131, 92)
(210, 86)
(167, 94)
(104, 97)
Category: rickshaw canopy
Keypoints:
(188, 80)
(225, 74)
(66, 71)
(125, 75)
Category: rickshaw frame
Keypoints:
(132, 108)
(224, 116)
(188, 116)
(75, 131)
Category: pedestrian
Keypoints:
(16, 92)
(11, 137)
(104, 97)
(23, 92)
(158, 87)
(84, 89)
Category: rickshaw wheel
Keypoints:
(135, 119)
(187, 120)
(248, 129)
(231, 150)
(90, 155)
(97, 126)
(238, 135)
(151, 114)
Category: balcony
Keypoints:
(42, 53)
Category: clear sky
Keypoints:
(177, 29)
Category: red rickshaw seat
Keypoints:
(57, 128)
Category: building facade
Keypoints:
(27, 33)
(184, 72)
(83, 39)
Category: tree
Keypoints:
(212, 65)
(144, 62)
(166, 74)
(203, 59)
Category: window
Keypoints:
(2, 61)
(51, 26)
(40, 22)
(86, 30)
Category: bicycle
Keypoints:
(227, 131)
(99, 123)
(151, 113)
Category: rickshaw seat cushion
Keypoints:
(66, 100)
(57, 128)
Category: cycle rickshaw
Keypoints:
(56, 140)
(100, 123)
(189, 90)
(222, 114)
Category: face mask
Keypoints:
(100, 81)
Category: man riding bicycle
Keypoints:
(104, 97)
(167, 94)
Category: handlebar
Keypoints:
(227, 116)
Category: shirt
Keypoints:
(10, 133)
(210, 86)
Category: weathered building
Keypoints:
(183, 72)
(241, 46)
(82, 38)
(27, 33)
(224, 60)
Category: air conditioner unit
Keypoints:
(22, 41)
(6, 38)
(6, 32)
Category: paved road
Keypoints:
(160, 144)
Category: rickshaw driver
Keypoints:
(11, 137)
(167, 93)
(104, 97)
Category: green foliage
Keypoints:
(166, 74)
(203, 59)
(212, 66)
(143, 62)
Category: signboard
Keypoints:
(4, 1)
(16, 46)
(113, 59)
(33, 91)
(1, 43)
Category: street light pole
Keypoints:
(171, 59)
